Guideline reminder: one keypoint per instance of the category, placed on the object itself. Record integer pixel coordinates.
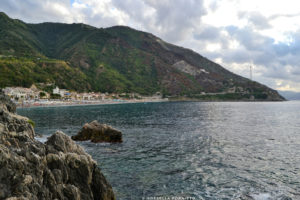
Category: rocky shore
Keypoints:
(58, 169)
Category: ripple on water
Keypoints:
(204, 150)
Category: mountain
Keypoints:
(290, 95)
(116, 59)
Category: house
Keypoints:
(19, 93)
(34, 88)
(61, 92)
(231, 90)
(56, 90)
(102, 96)
(86, 96)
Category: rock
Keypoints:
(11, 107)
(97, 132)
(58, 169)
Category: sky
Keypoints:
(233, 33)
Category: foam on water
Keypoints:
(42, 138)
(262, 196)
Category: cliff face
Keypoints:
(58, 169)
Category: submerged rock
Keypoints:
(58, 169)
(97, 132)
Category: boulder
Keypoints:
(97, 132)
(58, 169)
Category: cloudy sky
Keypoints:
(233, 33)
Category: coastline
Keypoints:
(83, 103)
(110, 102)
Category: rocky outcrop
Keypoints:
(11, 107)
(97, 132)
(58, 169)
(189, 69)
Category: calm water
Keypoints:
(202, 150)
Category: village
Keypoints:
(33, 96)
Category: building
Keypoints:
(61, 92)
(56, 90)
(21, 94)
(86, 96)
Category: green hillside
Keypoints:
(116, 59)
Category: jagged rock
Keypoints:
(58, 169)
(11, 107)
(97, 132)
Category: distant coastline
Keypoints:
(117, 101)
(83, 103)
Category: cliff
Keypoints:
(58, 169)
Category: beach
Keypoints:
(55, 103)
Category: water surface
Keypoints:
(206, 150)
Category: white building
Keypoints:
(56, 90)
(19, 93)
(61, 92)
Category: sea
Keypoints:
(190, 150)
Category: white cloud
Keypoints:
(213, 47)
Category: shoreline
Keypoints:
(84, 103)
(45, 104)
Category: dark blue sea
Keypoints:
(201, 150)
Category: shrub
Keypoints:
(31, 122)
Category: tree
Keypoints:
(55, 96)
(42, 94)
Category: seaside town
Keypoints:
(33, 96)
